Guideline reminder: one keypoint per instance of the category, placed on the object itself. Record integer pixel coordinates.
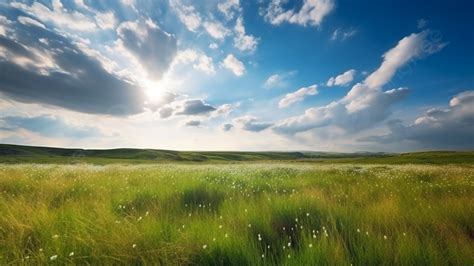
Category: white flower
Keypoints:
(310, 245)
(53, 257)
(384, 237)
(204, 246)
(134, 245)
(71, 254)
(55, 236)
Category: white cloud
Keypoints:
(342, 79)
(234, 65)
(311, 13)
(242, 41)
(450, 128)
(29, 21)
(200, 61)
(229, 8)
(278, 80)
(366, 103)
(342, 35)
(187, 14)
(216, 30)
(106, 20)
(213, 46)
(69, 19)
(297, 96)
(412, 46)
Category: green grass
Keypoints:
(237, 214)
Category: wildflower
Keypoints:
(214, 239)
(358, 230)
(404, 234)
(220, 226)
(71, 254)
(204, 246)
(147, 213)
(134, 245)
(226, 235)
(289, 256)
(139, 218)
(55, 236)
(263, 255)
(307, 214)
(54, 257)
(289, 244)
(366, 232)
(384, 237)
(250, 225)
(310, 245)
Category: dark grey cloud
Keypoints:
(154, 48)
(193, 123)
(451, 128)
(58, 73)
(46, 125)
(250, 123)
(226, 127)
(196, 107)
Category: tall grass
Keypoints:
(244, 214)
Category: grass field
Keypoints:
(237, 214)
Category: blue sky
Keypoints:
(333, 75)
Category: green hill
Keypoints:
(33, 154)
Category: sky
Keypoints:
(320, 75)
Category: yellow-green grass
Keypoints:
(242, 214)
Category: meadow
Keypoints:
(237, 214)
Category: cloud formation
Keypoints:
(250, 123)
(366, 104)
(195, 107)
(40, 66)
(46, 125)
(152, 47)
(243, 41)
(343, 79)
(450, 128)
(234, 65)
(342, 35)
(278, 80)
(311, 13)
(297, 96)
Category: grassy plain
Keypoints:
(252, 213)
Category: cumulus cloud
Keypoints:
(242, 41)
(342, 35)
(196, 107)
(41, 66)
(187, 15)
(450, 128)
(229, 8)
(311, 13)
(343, 79)
(152, 47)
(68, 19)
(46, 125)
(366, 104)
(250, 123)
(216, 30)
(234, 65)
(297, 96)
(165, 112)
(199, 60)
(277, 80)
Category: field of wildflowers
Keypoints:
(237, 214)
